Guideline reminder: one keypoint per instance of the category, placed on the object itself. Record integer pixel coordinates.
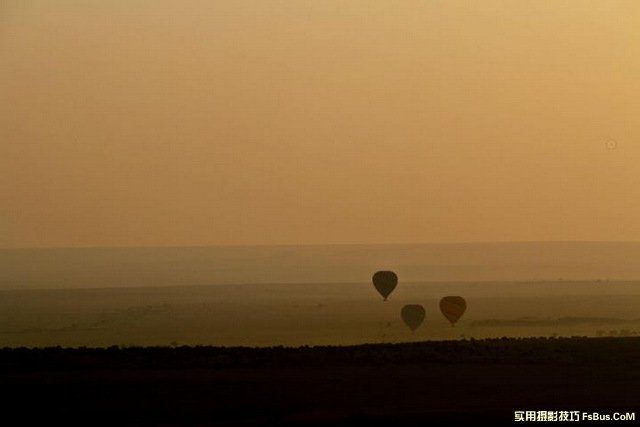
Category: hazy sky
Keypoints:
(128, 122)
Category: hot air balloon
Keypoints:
(385, 282)
(413, 315)
(453, 308)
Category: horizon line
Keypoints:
(275, 245)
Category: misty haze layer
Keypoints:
(135, 267)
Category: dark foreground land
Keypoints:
(418, 384)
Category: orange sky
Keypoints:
(276, 122)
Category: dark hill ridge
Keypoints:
(576, 350)
(455, 382)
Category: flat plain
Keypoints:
(311, 314)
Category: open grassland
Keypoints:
(312, 314)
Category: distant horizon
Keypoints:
(269, 245)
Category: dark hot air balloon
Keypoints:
(385, 282)
(453, 308)
(413, 316)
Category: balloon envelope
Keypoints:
(453, 308)
(385, 282)
(413, 315)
